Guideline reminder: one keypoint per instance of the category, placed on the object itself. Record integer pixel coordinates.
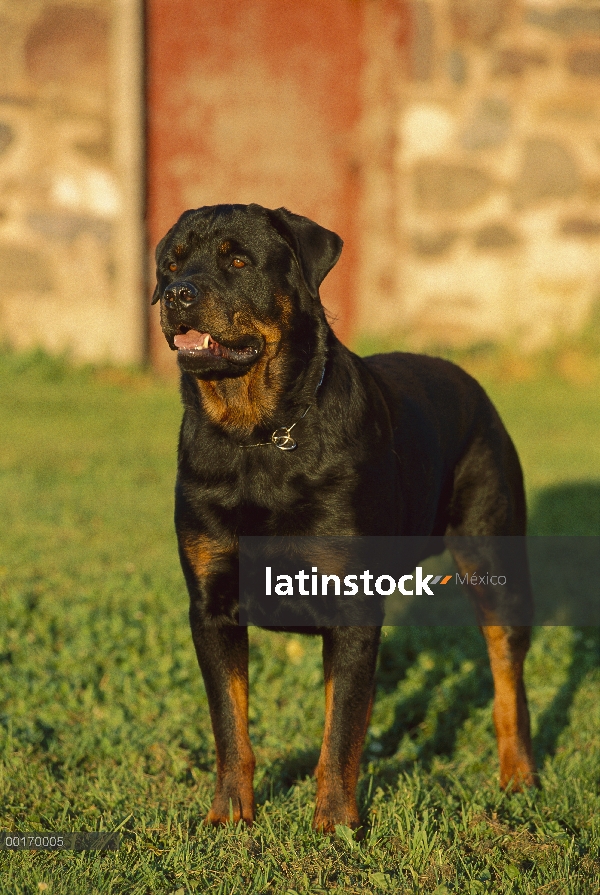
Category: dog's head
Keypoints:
(235, 281)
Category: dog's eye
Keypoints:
(237, 262)
(172, 266)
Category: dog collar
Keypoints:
(282, 437)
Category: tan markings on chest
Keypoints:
(248, 401)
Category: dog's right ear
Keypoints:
(157, 254)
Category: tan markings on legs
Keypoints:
(234, 797)
(205, 554)
(352, 769)
(336, 782)
(328, 773)
(320, 770)
(507, 648)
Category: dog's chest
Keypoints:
(294, 496)
(270, 493)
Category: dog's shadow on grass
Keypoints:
(570, 508)
(573, 509)
(285, 772)
(556, 716)
(432, 724)
(431, 713)
(400, 650)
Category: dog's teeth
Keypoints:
(206, 341)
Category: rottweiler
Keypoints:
(287, 432)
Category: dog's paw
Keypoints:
(330, 813)
(519, 775)
(231, 807)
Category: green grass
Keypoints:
(103, 717)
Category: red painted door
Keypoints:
(255, 102)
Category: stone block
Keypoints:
(98, 150)
(9, 53)
(548, 171)
(23, 269)
(7, 136)
(566, 21)
(431, 245)
(446, 187)
(68, 45)
(65, 227)
(515, 61)
(496, 236)
(477, 20)
(445, 320)
(456, 302)
(426, 129)
(570, 105)
(456, 66)
(490, 125)
(421, 50)
(585, 62)
(587, 228)
(592, 190)
(84, 189)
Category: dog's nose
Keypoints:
(181, 294)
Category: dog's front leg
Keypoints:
(349, 659)
(222, 651)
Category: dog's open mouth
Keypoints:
(191, 343)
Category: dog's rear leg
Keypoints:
(349, 659)
(507, 647)
(488, 514)
(222, 652)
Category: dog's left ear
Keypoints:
(316, 248)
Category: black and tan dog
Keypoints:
(394, 444)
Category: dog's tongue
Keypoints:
(192, 339)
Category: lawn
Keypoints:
(103, 718)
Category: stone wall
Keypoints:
(474, 170)
(70, 175)
(491, 205)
